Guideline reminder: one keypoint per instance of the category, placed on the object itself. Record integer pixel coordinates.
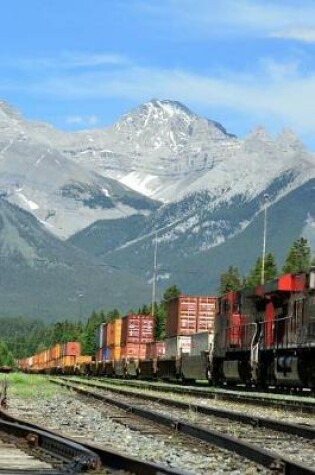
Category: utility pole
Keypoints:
(154, 275)
(262, 280)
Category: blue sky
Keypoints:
(82, 63)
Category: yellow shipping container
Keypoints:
(114, 353)
(114, 333)
(83, 359)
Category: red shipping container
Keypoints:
(155, 349)
(189, 314)
(137, 329)
(133, 350)
(71, 348)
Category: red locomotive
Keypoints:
(266, 335)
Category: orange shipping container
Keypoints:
(83, 359)
(137, 329)
(155, 349)
(113, 333)
(55, 352)
(188, 314)
(133, 350)
(71, 348)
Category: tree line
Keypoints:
(299, 259)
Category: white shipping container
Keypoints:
(201, 342)
(176, 345)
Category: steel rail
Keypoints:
(104, 457)
(262, 399)
(76, 456)
(268, 459)
(279, 426)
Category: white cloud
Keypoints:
(66, 60)
(307, 35)
(255, 18)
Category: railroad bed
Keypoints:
(84, 418)
(27, 448)
(260, 440)
(301, 403)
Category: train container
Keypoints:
(66, 360)
(98, 355)
(133, 350)
(71, 348)
(155, 349)
(114, 353)
(56, 352)
(102, 354)
(177, 345)
(137, 329)
(101, 335)
(201, 342)
(189, 314)
(113, 333)
(83, 359)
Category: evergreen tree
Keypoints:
(299, 257)
(271, 271)
(230, 280)
(160, 311)
(171, 293)
(254, 277)
(6, 357)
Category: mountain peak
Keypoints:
(288, 138)
(8, 112)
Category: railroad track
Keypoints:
(264, 441)
(26, 448)
(295, 403)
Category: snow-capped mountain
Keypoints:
(165, 151)
(62, 194)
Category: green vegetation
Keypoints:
(26, 385)
(299, 257)
(230, 280)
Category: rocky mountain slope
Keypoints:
(63, 195)
(194, 259)
(44, 277)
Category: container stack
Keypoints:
(187, 316)
(136, 332)
(60, 355)
(108, 341)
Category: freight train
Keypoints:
(259, 336)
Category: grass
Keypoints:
(28, 386)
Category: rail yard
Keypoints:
(229, 389)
